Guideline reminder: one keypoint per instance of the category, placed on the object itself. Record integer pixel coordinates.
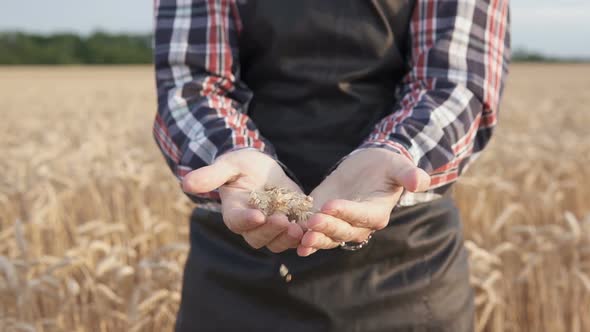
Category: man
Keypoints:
(374, 108)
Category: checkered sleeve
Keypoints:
(201, 101)
(448, 102)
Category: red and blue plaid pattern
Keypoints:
(448, 102)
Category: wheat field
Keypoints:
(93, 228)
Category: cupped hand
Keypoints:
(236, 174)
(357, 198)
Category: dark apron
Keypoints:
(412, 276)
(322, 74)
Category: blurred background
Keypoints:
(110, 31)
(93, 227)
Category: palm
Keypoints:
(358, 197)
(237, 174)
(255, 173)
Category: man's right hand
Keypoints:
(236, 174)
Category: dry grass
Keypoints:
(93, 228)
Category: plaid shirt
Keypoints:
(448, 105)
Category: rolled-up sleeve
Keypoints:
(449, 99)
(201, 100)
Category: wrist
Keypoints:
(246, 154)
(386, 147)
(240, 151)
(391, 146)
(376, 157)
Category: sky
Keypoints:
(553, 27)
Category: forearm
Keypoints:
(448, 102)
(192, 133)
(201, 100)
(436, 131)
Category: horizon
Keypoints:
(570, 22)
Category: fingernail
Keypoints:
(311, 251)
(293, 233)
(329, 211)
(185, 185)
(316, 225)
(302, 252)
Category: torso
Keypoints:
(323, 73)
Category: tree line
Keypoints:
(18, 48)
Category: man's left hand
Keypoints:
(357, 198)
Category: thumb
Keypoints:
(208, 178)
(410, 177)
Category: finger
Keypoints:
(240, 220)
(208, 178)
(263, 235)
(317, 240)
(410, 177)
(336, 228)
(305, 251)
(286, 240)
(358, 214)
